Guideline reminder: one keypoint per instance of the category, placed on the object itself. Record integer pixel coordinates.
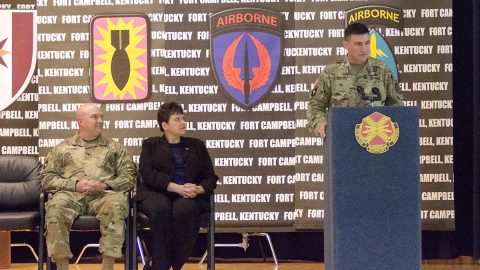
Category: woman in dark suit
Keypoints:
(177, 179)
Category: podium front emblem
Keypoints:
(377, 133)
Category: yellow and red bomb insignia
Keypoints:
(377, 133)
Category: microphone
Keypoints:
(376, 92)
(361, 91)
(370, 99)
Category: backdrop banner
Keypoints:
(243, 70)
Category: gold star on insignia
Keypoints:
(3, 52)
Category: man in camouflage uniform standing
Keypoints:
(350, 80)
(88, 174)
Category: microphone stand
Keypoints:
(369, 99)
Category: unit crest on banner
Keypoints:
(120, 63)
(18, 48)
(246, 48)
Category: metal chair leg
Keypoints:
(244, 244)
(41, 251)
(269, 240)
(140, 249)
(83, 250)
(41, 237)
(211, 235)
(203, 257)
(271, 247)
(28, 246)
(50, 266)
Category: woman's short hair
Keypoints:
(167, 109)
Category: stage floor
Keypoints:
(464, 263)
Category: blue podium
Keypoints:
(372, 189)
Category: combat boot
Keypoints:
(62, 264)
(107, 262)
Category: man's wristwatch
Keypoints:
(108, 187)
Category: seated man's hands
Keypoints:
(82, 185)
(87, 184)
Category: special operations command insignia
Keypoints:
(246, 47)
(377, 133)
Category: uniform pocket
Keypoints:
(108, 162)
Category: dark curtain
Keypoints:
(467, 127)
(476, 127)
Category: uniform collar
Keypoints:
(99, 141)
(367, 67)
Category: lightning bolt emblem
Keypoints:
(374, 50)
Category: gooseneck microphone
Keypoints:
(377, 94)
(361, 91)
(370, 99)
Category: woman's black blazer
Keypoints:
(157, 166)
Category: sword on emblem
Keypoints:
(260, 74)
(246, 79)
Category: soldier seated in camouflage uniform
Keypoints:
(88, 174)
(347, 82)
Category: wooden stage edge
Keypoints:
(462, 263)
